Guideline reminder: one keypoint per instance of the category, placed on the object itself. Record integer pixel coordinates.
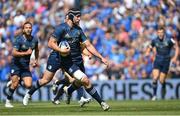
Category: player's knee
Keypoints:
(77, 83)
(155, 77)
(162, 81)
(15, 84)
(85, 81)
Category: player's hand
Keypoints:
(105, 61)
(29, 51)
(173, 60)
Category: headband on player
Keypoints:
(73, 12)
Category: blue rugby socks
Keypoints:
(63, 81)
(80, 92)
(59, 93)
(93, 92)
(10, 93)
(35, 87)
(154, 85)
(72, 88)
(163, 91)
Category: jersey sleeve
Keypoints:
(152, 43)
(36, 43)
(82, 36)
(16, 43)
(171, 42)
(58, 31)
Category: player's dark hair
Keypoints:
(161, 28)
(73, 12)
(27, 22)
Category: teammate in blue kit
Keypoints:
(161, 47)
(73, 63)
(23, 45)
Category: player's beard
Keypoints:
(161, 37)
(27, 33)
(76, 23)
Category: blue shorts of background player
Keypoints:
(20, 72)
(162, 65)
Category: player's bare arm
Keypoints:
(36, 54)
(176, 47)
(148, 50)
(91, 48)
(86, 52)
(17, 53)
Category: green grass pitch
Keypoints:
(160, 107)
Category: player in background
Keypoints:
(161, 47)
(23, 45)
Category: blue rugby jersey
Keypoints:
(74, 36)
(163, 48)
(22, 44)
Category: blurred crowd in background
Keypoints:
(121, 30)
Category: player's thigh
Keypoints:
(75, 71)
(26, 76)
(68, 77)
(78, 74)
(164, 70)
(81, 77)
(53, 64)
(47, 76)
(165, 66)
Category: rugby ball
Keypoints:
(63, 46)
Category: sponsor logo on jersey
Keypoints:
(49, 67)
(67, 36)
(12, 70)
